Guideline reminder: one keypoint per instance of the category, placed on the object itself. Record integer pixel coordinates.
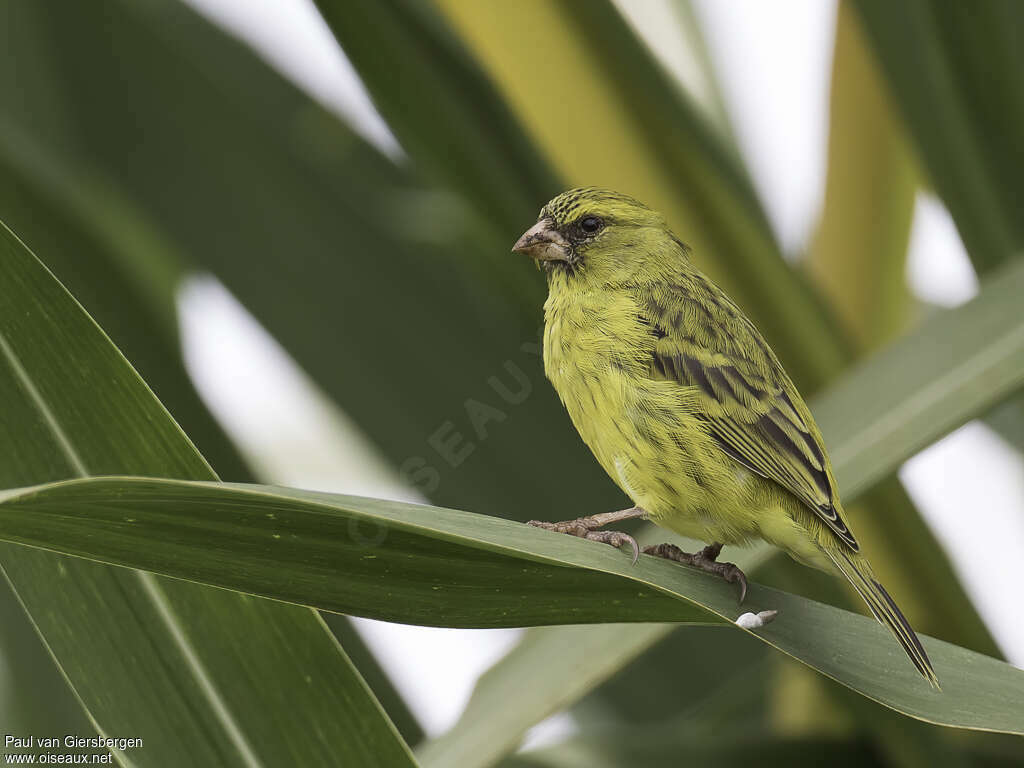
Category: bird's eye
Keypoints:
(591, 224)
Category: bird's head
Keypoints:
(603, 234)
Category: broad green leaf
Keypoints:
(859, 253)
(698, 654)
(958, 365)
(909, 743)
(1008, 421)
(452, 123)
(301, 565)
(882, 398)
(117, 265)
(202, 676)
(442, 567)
(34, 698)
(494, 722)
(550, 669)
(957, 72)
(376, 677)
(564, 663)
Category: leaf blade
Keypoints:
(979, 692)
(99, 622)
(964, 111)
(958, 365)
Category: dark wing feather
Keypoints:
(750, 406)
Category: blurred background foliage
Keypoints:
(140, 144)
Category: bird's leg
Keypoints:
(706, 560)
(585, 528)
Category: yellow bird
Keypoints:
(683, 402)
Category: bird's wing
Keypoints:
(747, 400)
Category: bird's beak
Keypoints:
(543, 242)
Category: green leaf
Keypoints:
(376, 677)
(563, 664)
(121, 269)
(493, 723)
(550, 669)
(443, 567)
(641, 692)
(1008, 421)
(859, 253)
(453, 123)
(34, 698)
(960, 364)
(202, 676)
(957, 72)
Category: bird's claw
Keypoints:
(615, 539)
(732, 574)
(705, 560)
(579, 528)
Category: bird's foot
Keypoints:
(584, 527)
(706, 560)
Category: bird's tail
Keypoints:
(858, 572)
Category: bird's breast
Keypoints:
(590, 341)
(594, 354)
(645, 432)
